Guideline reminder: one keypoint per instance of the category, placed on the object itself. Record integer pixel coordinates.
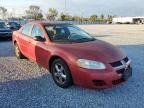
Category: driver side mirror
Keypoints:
(39, 38)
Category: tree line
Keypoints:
(34, 12)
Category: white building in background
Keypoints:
(128, 20)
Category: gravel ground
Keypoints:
(24, 84)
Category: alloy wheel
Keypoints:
(59, 73)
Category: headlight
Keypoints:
(89, 64)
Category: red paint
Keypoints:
(42, 52)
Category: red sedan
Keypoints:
(72, 55)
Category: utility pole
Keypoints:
(65, 6)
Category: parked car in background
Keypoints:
(13, 25)
(72, 55)
(5, 33)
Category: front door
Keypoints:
(38, 50)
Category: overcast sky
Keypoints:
(81, 7)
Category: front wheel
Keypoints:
(61, 73)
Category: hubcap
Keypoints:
(59, 74)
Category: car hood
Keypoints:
(5, 30)
(95, 50)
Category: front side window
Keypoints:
(67, 33)
(36, 31)
(26, 29)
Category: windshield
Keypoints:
(2, 25)
(14, 24)
(69, 33)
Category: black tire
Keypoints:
(18, 53)
(66, 79)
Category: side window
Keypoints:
(36, 31)
(56, 32)
(26, 29)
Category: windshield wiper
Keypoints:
(86, 39)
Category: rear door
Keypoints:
(24, 39)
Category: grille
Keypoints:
(116, 82)
(3, 30)
(126, 59)
(99, 82)
(121, 71)
(118, 63)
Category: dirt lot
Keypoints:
(24, 85)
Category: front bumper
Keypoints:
(102, 78)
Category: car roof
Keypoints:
(49, 23)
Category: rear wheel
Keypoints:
(61, 73)
(18, 52)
